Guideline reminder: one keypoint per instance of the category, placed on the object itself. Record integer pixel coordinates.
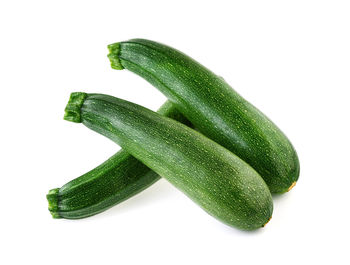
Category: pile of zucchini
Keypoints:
(206, 140)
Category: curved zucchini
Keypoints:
(216, 179)
(213, 107)
(117, 179)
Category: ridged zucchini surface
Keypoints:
(213, 107)
(117, 179)
(220, 182)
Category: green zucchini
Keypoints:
(213, 107)
(216, 179)
(115, 180)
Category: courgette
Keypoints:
(213, 107)
(220, 182)
(117, 179)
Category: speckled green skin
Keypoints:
(213, 107)
(219, 181)
(115, 180)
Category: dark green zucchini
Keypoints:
(112, 182)
(219, 181)
(213, 107)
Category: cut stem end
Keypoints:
(52, 198)
(72, 110)
(113, 56)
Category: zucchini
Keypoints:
(213, 107)
(216, 179)
(115, 180)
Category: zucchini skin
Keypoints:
(216, 179)
(117, 179)
(214, 108)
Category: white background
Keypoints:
(291, 59)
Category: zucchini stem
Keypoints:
(72, 111)
(52, 198)
(113, 56)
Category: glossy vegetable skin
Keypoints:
(117, 179)
(213, 107)
(216, 179)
